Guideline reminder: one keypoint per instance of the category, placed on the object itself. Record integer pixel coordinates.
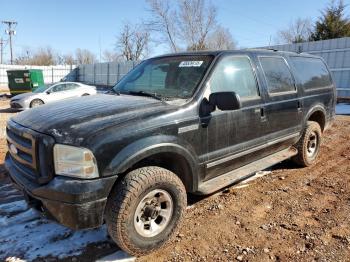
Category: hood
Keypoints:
(79, 118)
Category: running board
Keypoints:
(244, 172)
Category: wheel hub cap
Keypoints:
(153, 213)
(312, 144)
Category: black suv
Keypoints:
(190, 122)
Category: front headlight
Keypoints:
(74, 162)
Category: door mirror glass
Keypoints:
(225, 101)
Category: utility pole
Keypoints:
(10, 31)
(1, 50)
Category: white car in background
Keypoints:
(51, 93)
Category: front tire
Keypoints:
(36, 103)
(144, 209)
(309, 145)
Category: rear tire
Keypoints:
(309, 145)
(36, 103)
(85, 94)
(144, 209)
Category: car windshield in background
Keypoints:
(167, 77)
(41, 89)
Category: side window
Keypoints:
(312, 72)
(71, 86)
(236, 74)
(59, 88)
(277, 74)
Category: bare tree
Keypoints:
(298, 31)
(68, 59)
(43, 57)
(111, 56)
(84, 56)
(221, 39)
(189, 22)
(133, 42)
(24, 57)
(164, 22)
(198, 20)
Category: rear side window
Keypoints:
(312, 72)
(277, 74)
(59, 88)
(71, 86)
(234, 73)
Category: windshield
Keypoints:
(41, 89)
(167, 77)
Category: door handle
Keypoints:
(299, 105)
(262, 112)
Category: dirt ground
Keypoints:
(291, 214)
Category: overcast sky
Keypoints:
(66, 24)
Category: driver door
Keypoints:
(232, 135)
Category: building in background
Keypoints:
(336, 53)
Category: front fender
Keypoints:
(146, 147)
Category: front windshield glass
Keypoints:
(167, 77)
(41, 89)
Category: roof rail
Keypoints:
(264, 48)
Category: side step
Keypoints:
(244, 172)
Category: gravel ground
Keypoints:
(291, 214)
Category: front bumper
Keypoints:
(74, 203)
(18, 105)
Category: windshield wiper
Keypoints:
(143, 93)
(112, 91)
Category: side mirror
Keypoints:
(225, 101)
(48, 92)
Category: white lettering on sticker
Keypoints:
(19, 80)
(190, 63)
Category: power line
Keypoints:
(10, 31)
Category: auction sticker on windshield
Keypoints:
(190, 63)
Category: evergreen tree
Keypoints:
(332, 24)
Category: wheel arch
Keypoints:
(36, 98)
(317, 114)
(177, 158)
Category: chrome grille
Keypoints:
(22, 148)
(30, 152)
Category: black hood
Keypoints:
(81, 117)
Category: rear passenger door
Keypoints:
(283, 108)
(73, 90)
